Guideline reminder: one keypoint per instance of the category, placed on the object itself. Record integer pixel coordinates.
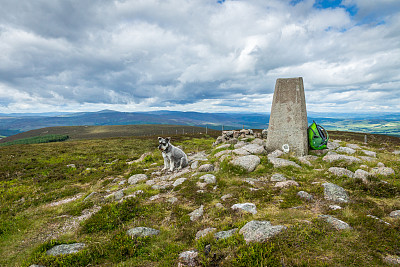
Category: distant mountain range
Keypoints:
(11, 124)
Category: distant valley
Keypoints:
(11, 124)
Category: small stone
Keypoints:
(251, 181)
(150, 182)
(286, 184)
(196, 214)
(336, 223)
(332, 156)
(276, 154)
(179, 181)
(278, 162)
(223, 152)
(353, 146)
(225, 234)
(369, 153)
(119, 195)
(254, 149)
(259, 231)
(248, 207)
(71, 166)
(66, 249)
(335, 207)
(369, 159)
(347, 150)
(205, 232)
(241, 152)
(155, 197)
(137, 178)
(209, 178)
(392, 260)
(385, 171)
(206, 168)
(277, 177)
(332, 145)
(361, 174)
(188, 258)
(258, 141)
(380, 164)
(395, 214)
(172, 200)
(194, 165)
(249, 163)
(223, 146)
(305, 195)
(305, 161)
(225, 197)
(341, 172)
(142, 232)
(335, 193)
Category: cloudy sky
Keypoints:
(197, 55)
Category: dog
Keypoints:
(173, 157)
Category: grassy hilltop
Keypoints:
(43, 190)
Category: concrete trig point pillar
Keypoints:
(288, 121)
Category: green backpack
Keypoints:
(317, 136)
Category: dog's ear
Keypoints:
(168, 139)
(159, 139)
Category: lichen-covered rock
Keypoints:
(277, 177)
(142, 232)
(249, 163)
(336, 223)
(197, 213)
(223, 146)
(392, 260)
(66, 249)
(134, 179)
(304, 195)
(254, 148)
(341, 172)
(223, 152)
(361, 174)
(248, 207)
(260, 231)
(209, 178)
(206, 168)
(369, 153)
(225, 197)
(385, 171)
(188, 258)
(332, 145)
(395, 214)
(278, 162)
(353, 146)
(179, 181)
(335, 193)
(347, 150)
(332, 156)
(225, 234)
(285, 184)
(276, 154)
(205, 232)
(119, 195)
(306, 159)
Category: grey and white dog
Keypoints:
(173, 156)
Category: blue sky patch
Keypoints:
(324, 4)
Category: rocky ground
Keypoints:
(235, 189)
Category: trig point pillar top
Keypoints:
(288, 120)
